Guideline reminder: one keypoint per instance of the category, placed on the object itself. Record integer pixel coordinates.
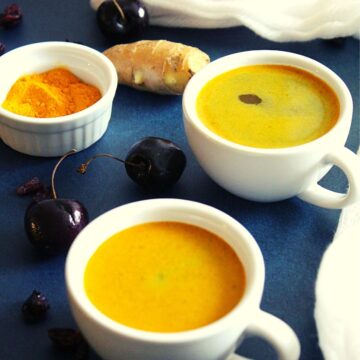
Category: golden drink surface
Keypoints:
(164, 277)
(268, 106)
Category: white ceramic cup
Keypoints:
(274, 174)
(56, 136)
(216, 341)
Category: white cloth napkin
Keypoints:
(278, 20)
(337, 308)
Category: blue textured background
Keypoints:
(292, 234)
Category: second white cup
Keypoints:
(279, 173)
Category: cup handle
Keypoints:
(277, 333)
(349, 163)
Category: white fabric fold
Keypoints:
(278, 20)
(337, 308)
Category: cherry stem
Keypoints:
(122, 14)
(53, 192)
(83, 167)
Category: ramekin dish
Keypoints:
(55, 136)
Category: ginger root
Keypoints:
(159, 66)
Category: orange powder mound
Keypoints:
(53, 93)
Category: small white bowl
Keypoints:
(55, 136)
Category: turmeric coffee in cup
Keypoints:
(268, 106)
(170, 279)
(268, 125)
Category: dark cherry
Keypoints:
(122, 20)
(154, 163)
(160, 163)
(35, 307)
(52, 224)
(11, 16)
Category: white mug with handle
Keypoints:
(216, 341)
(275, 174)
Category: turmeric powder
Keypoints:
(53, 93)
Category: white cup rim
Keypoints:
(249, 302)
(106, 97)
(259, 57)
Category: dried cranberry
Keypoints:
(68, 339)
(32, 186)
(11, 16)
(65, 338)
(35, 307)
(2, 48)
